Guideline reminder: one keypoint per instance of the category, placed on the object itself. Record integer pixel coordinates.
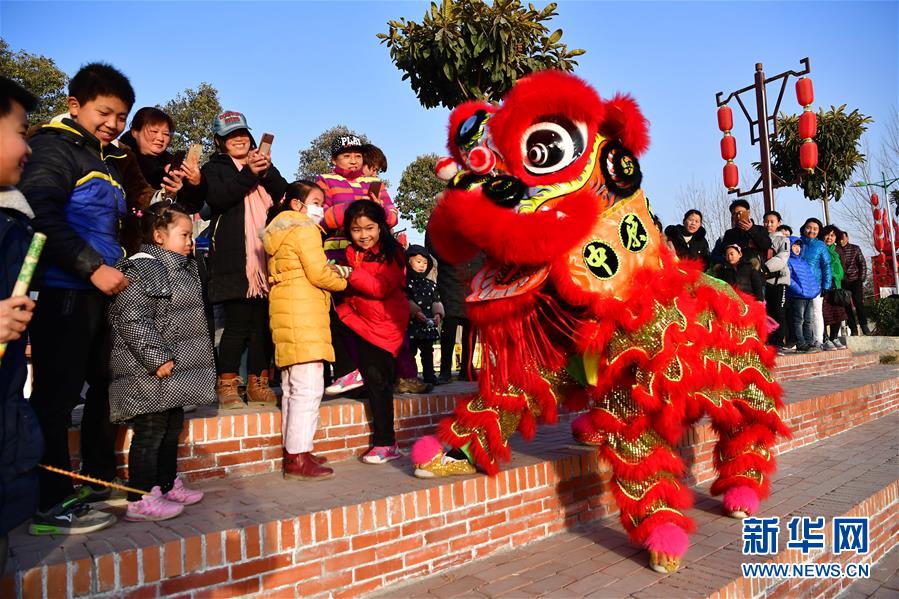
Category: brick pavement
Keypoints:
(883, 583)
(826, 479)
(371, 526)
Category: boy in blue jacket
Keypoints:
(74, 185)
(804, 287)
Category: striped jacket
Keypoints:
(343, 188)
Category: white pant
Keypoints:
(303, 386)
(818, 319)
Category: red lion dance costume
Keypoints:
(580, 304)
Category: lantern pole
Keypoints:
(885, 185)
(761, 101)
(758, 128)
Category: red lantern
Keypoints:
(874, 199)
(805, 93)
(728, 147)
(808, 155)
(725, 118)
(878, 228)
(808, 124)
(731, 175)
(878, 244)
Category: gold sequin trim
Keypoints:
(637, 489)
(632, 452)
(756, 448)
(619, 403)
(649, 337)
(753, 474)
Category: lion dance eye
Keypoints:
(552, 144)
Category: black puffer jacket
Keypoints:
(423, 291)
(755, 244)
(157, 318)
(454, 281)
(225, 191)
(21, 442)
(695, 249)
(743, 277)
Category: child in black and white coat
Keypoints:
(161, 359)
(427, 310)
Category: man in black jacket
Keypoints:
(753, 239)
(855, 271)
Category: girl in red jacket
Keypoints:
(374, 314)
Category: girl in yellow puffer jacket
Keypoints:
(299, 302)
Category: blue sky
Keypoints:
(297, 68)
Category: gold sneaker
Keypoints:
(443, 465)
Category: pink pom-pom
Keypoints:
(424, 450)
(446, 168)
(582, 426)
(669, 539)
(742, 499)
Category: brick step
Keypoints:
(883, 583)
(792, 367)
(248, 442)
(855, 474)
(368, 526)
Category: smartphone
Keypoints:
(177, 160)
(193, 154)
(265, 143)
(375, 189)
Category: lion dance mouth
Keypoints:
(580, 305)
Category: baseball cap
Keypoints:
(345, 143)
(229, 121)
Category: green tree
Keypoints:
(39, 75)
(417, 193)
(838, 136)
(467, 49)
(193, 111)
(316, 159)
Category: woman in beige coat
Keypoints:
(299, 301)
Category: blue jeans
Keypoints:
(803, 315)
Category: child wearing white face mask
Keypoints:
(300, 279)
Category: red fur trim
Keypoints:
(470, 219)
(458, 116)
(624, 120)
(660, 459)
(582, 426)
(442, 231)
(540, 95)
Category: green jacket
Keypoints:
(836, 267)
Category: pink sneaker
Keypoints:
(345, 383)
(152, 506)
(382, 454)
(181, 494)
